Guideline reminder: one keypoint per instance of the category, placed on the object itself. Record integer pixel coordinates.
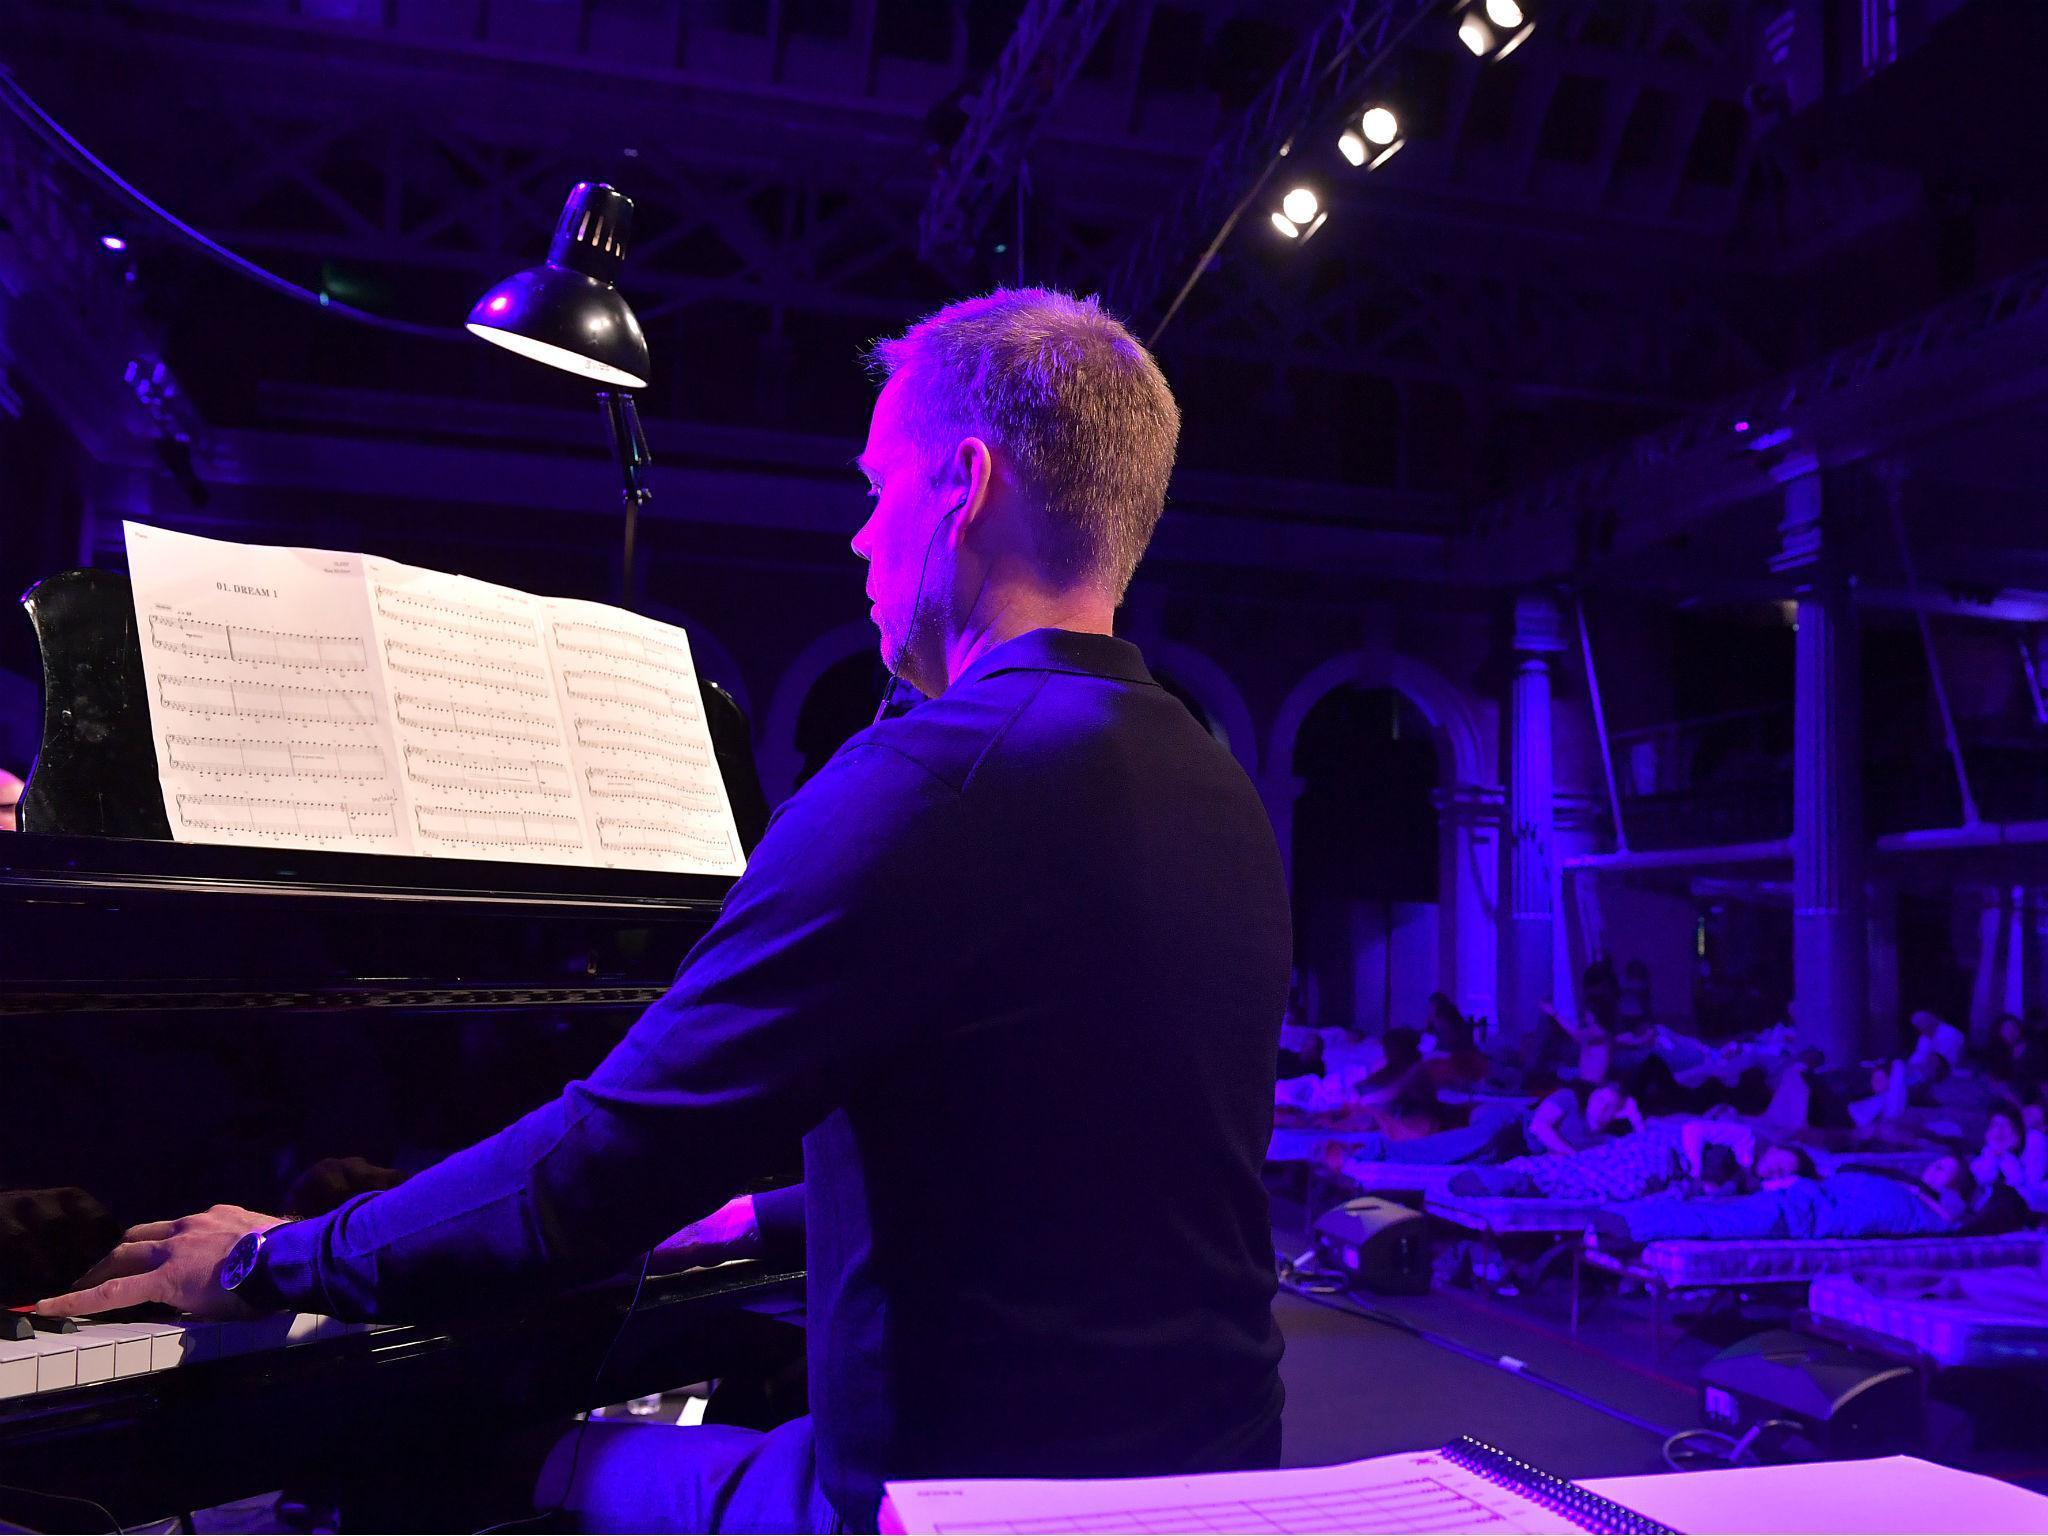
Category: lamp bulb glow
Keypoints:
(1475, 35)
(1286, 226)
(1505, 14)
(1352, 148)
(1381, 126)
(1299, 205)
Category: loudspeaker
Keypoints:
(1845, 1402)
(1380, 1245)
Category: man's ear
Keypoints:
(973, 475)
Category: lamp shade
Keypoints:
(566, 313)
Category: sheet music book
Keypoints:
(307, 698)
(1468, 1486)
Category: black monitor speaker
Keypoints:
(1843, 1402)
(1377, 1244)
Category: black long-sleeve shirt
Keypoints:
(1013, 965)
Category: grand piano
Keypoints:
(189, 1025)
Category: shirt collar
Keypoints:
(1063, 650)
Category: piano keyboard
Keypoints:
(53, 1362)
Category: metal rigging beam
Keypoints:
(1052, 41)
(1318, 82)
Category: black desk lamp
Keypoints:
(567, 314)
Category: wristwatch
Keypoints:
(244, 1274)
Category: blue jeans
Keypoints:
(1495, 1131)
(704, 1477)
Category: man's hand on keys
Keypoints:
(174, 1263)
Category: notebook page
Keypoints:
(1886, 1494)
(266, 702)
(1413, 1492)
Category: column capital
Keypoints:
(1538, 624)
(1469, 805)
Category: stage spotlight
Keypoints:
(113, 242)
(1300, 214)
(1373, 142)
(1493, 29)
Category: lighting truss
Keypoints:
(1052, 40)
(1323, 79)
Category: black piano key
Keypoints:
(15, 1325)
(53, 1324)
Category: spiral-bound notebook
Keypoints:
(1466, 1486)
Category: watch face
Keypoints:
(241, 1260)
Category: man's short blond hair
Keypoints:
(1077, 405)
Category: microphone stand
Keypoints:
(629, 451)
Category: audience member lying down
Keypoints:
(1663, 1154)
(1493, 1132)
(1851, 1203)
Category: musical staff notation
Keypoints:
(486, 773)
(287, 701)
(630, 693)
(472, 719)
(625, 836)
(647, 740)
(333, 820)
(457, 667)
(242, 642)
(624, 784)
(456, 617)
(299, 760)
(602, 640)
(500, 829)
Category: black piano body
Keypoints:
(191, 1024)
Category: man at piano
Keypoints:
(1018, 1265)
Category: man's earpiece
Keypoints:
(916, 608)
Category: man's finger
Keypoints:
(149, 1231)
(128, 1259)
(125, 1291)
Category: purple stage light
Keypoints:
(113, 242)
(1742, 426)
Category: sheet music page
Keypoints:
(266, 702)
(482, 742)
(1417, 1492)
(639, 741)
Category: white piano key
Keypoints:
(95, 1357)
(167, 1345)
(17, 1368)
(56, 1362)
(131, 1341)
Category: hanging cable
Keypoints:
(52, 133)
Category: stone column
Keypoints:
(1830, 947)
(1468, 868)
(1528, 879)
